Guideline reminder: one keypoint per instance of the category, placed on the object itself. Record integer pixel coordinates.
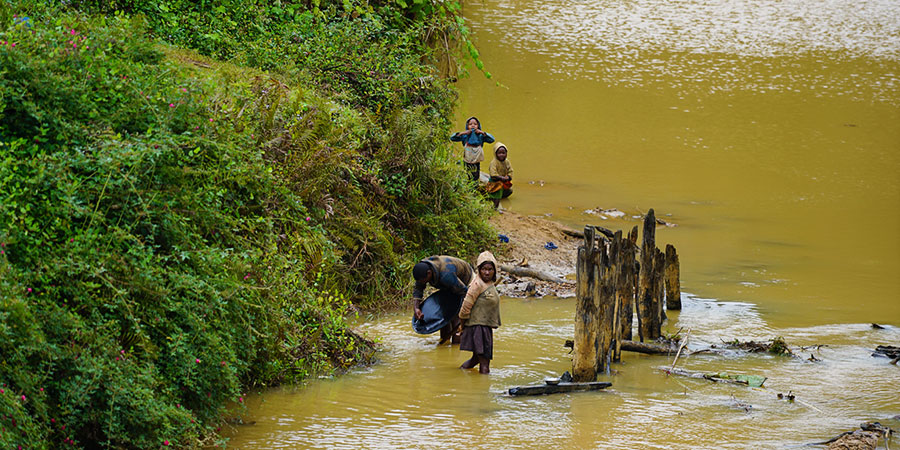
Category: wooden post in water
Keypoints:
(659, 283)
(605, 288)
(608, 279)
(649, 321)
(633, 280)
(673, 281)
(624, 291)
(584, 366)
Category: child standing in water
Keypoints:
(480, 314)
(500, 185)
(472, 139)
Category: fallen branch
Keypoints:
(681, 347)
(637, 347)
(647, 348)
(533, 273)
(580, 234)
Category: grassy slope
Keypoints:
(176, 228)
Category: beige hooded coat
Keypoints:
(482, 303)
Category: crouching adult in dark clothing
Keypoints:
(440, 311)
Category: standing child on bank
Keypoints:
(472, 139)
(480, 314)
(500, 185)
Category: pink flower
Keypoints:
(122, 351)
(73, 32)
(13, 44)
(117, 358)
(183, 89)
(308, 218)
(166, 442)
(223, 363)
(1, 252)
(197, 360)
(210, 119)
(246, 276)
(171, 105)
(241, 399)
(29, 290)
(72, 240)
(42, 389)
(23, 397)
(2, 391)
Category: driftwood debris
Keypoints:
(865, 438)
(533, 273)
(746, 380)
(547, 388)
(776, 346)
(887, 351)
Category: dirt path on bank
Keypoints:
(528, 247)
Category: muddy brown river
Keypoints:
(768, 131)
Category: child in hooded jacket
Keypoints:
(472, 140)
(500, 184)
(480, 314)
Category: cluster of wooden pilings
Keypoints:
(613, 284)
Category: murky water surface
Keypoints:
(768, 131)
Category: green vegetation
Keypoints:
(175, 229)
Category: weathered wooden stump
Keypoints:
(610, 281)
(648, 302)
(673, 281)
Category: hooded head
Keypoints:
(477, 122)
(488, 257)
(500, 146)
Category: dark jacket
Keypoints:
(449, 273)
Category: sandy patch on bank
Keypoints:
(528, 236)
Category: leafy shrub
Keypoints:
(174, 229)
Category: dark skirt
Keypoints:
(478, 339)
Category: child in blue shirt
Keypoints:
(472, 139)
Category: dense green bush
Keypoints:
(174, 229)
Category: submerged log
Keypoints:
(533, 273)
(647, 348)
(673, 282)
(542, 389)
(746, 380)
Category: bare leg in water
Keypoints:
(477, 360)
(450, 331)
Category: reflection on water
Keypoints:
(416, 397)
(767, 130)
